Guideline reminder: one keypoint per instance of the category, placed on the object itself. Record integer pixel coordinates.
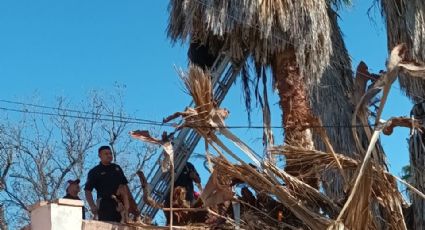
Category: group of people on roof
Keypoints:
(107, 177)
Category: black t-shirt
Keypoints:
(105, 179)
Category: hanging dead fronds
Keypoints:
(330, 98)
(405, 23)
(356, 211)
(261, 28)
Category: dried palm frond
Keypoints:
(325, 161)
(217, 190)
(356, 213)
(357, 201)
(198, 83)
(401, 122)
(322, 160)
(167, 163)
(146, 191)
(165, 142)
(305, 191)
(383, 83)
(206, 117)
(384, 188)
(203, 121)
(253, 221)
(261, 182)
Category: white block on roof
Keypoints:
(62, 214)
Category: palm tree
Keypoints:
(286, 35)
(405, 23)
(303, 45)
(298, 44)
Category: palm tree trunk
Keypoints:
(417, 164)
(297, 115)
(405, 23)
(331, 102)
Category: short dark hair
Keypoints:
(103, 148)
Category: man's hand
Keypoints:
(93, 207)
(93, 210)
(195, 177)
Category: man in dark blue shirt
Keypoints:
(105, 178)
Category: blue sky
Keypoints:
(67, 48)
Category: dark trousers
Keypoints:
(108, 210)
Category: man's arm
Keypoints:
(90, 201)
(88, 192)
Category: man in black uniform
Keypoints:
(72, 190)
(186, 179)
(105, 178)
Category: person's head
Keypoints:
(73, 187)
(179, 195)
(191, 171)
(105, 155)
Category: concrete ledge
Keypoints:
(100, 225)
(67, 202)
(62, 214)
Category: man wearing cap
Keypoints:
(105, 178)
(72, 190)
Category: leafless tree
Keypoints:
(6, 158)
(132, 155)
